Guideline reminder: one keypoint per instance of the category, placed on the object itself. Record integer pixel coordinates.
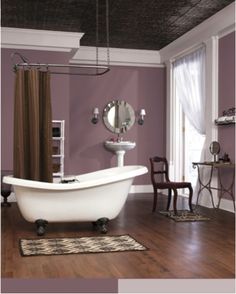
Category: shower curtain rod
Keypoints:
(104, 68)
(92, 70)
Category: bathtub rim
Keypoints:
(130, 171)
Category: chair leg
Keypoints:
(169, 199)
(190, 198)
(154, 200)
(175, 200)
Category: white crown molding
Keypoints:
(221, 22)
(127, 57)
(39, 39)
(16, 38)
(32, 47)
(226, 31)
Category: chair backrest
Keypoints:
(159, 166)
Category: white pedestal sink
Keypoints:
(119, 148)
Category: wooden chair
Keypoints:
(160, 169)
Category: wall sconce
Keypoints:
(141, 117)
(95, 118)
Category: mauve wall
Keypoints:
(73, 99)
(59, 93)
(227, 91)
(141, 88)
(227, 97)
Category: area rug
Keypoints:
(59, 246)
(185, 216)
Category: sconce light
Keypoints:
(141, 118)
(95, 118)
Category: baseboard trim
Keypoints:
(141, 189)
(226, 204)
(133, 189)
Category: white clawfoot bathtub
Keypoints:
(92, 197)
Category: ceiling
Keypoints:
(136, 24)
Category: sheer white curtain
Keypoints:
(189, 78)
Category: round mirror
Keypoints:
(118, 116)
(214, 148)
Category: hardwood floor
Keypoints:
(176, 250)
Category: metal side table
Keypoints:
(219, 166)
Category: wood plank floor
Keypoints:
(176, 250)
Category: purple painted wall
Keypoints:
(141, 88)
(73, 99)
(227, 97)
(227, 91)
(59, 93)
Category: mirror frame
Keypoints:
(110, 127)
(214, 148)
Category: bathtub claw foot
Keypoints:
(41, 226)
(95, 225)
(102, 224)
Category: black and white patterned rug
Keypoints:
(185, 216)
(59, 246)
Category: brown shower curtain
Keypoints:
(33, 126)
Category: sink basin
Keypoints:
(119, 148)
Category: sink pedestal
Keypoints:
(120, 157)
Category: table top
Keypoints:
(216, 164)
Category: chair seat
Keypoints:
(173, 185)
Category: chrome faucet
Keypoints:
(119, 139)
